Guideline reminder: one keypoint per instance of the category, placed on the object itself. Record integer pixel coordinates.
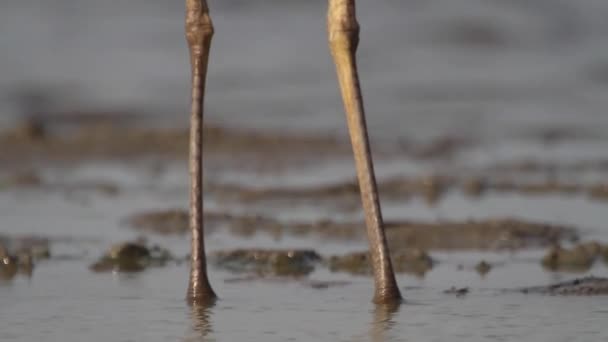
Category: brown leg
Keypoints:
(343, 31)
(199, 31)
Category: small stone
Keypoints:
(483, 268)
(8, 267)
(579, 258)
(459, 292)
(124, 257)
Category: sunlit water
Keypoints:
(541, 64)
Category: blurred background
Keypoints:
(490, 137)
(474, 67)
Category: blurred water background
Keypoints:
(476, 68)
(427, 67)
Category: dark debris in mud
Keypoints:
(306, 282)
(19, 255)
(132, 257)
(458, 292)
(483, 268)
(579, 258)
(292, 262)
(587, 286)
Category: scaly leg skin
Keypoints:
(343, 32)
(199, 31)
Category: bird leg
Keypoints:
(343, 32)
(199, 30)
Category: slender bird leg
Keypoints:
(199, 31)
(343, 31)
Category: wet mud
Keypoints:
(412, 261)
(264, 262)
(19, 255)
(492, 234)
(479, 247)
(132, 257)
(430, 188)
(104, 136)
(587, 286)
(489, 141)
(109, 141)
(36, 141)
(579, 258)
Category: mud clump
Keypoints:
(28, 130)
(599, 192)
(579, 258)
(131, 257)
(19, 255)
(268, 262)
(412, 261)
(22, 179)
(458, 292)
(474, 187)
(8, 264)
(483, 268)
(588, 286)
(9, 267)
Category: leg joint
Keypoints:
(342, 25)
(199, 27)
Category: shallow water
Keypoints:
(522, 66)
(65, 301)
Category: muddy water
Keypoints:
(64, 300)
(521, 80)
